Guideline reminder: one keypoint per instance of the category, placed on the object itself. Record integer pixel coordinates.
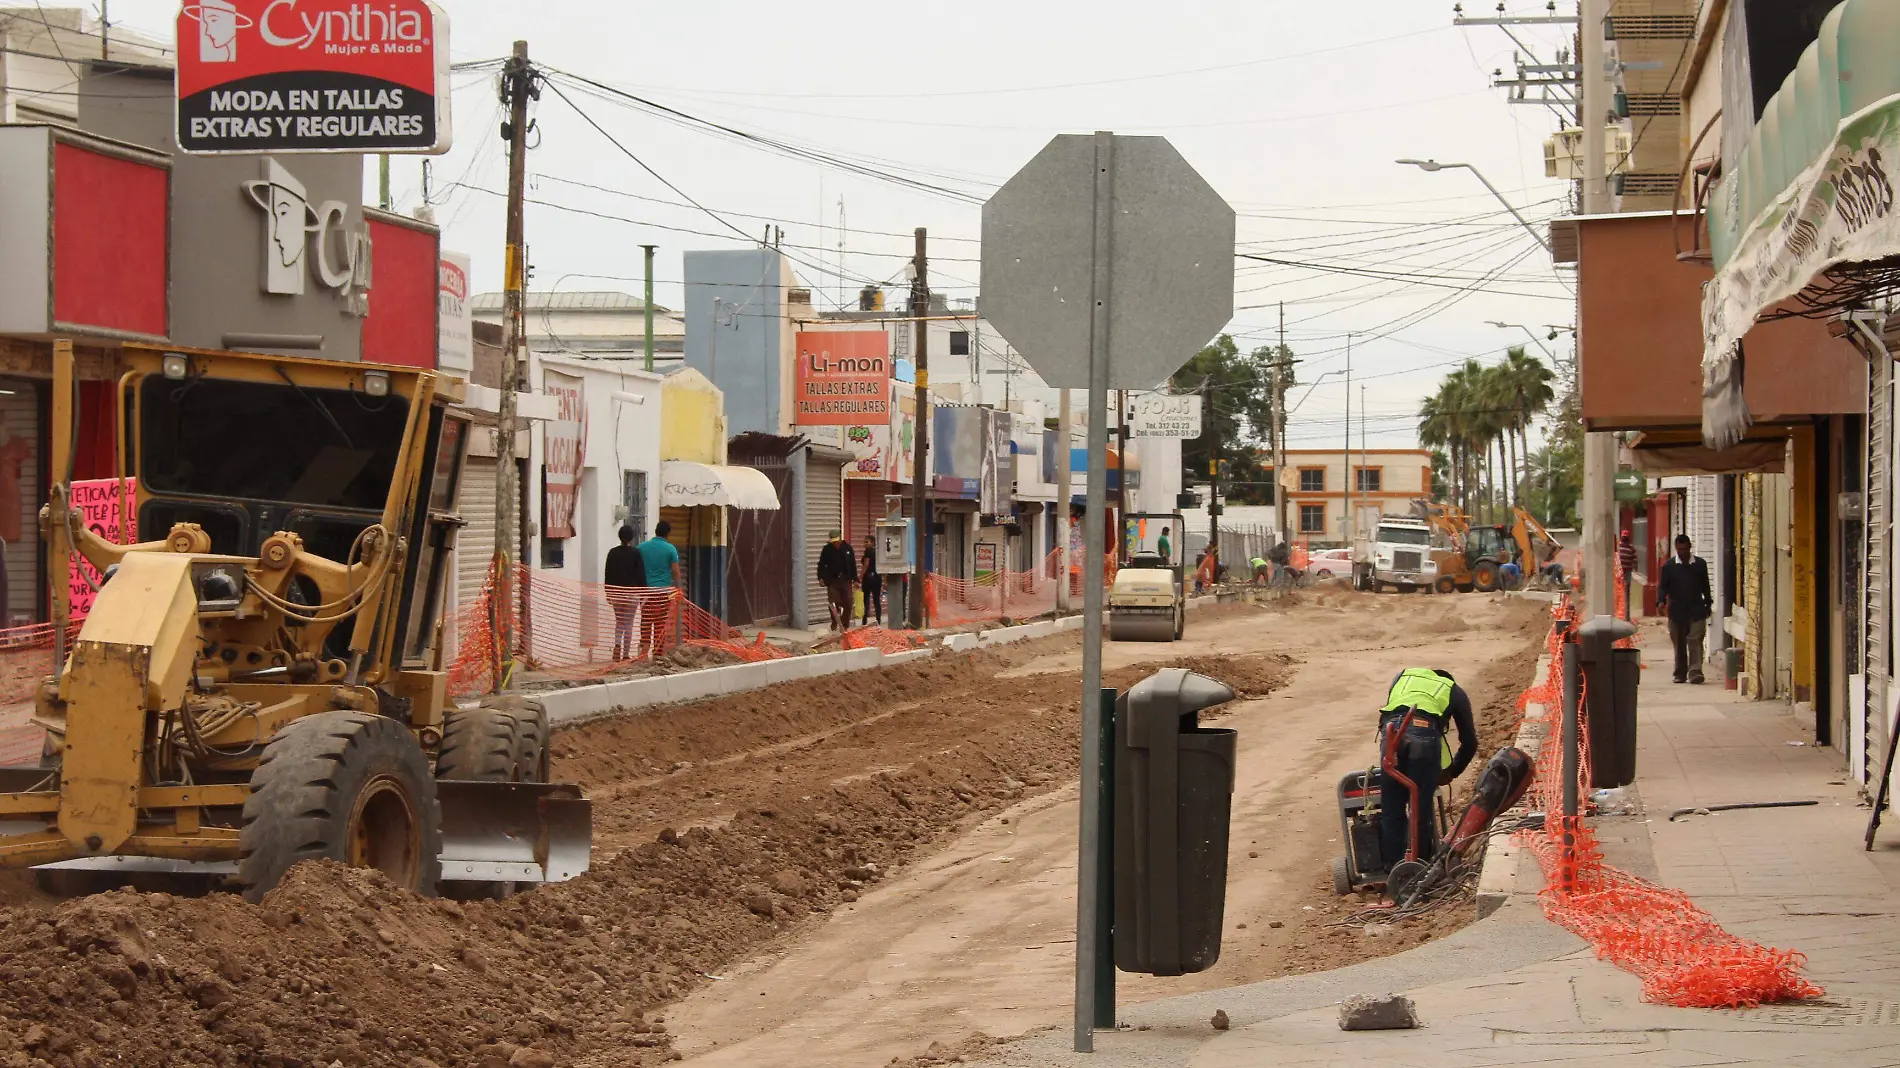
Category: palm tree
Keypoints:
(1531, 390)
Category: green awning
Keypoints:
(1813, 189)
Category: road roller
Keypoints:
(1148, 602)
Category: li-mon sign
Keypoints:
(313, 76)
(844, 378)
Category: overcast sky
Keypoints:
(1294, 112)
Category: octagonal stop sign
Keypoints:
(1167, 259)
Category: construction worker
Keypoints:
(1424, 755)
(1262, 571)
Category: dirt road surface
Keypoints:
(821, 869)
(978, 939)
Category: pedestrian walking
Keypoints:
(872, 583)
(838, 574)
(662, 562)
(1626, 562)
(1682, 594)
(626, 574)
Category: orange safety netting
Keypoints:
(1002, 594)
(883, 639)
(578, 630)
(26, 659)
(1680, 953)
(753, 652)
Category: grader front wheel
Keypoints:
(343, 786)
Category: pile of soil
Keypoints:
(818, 789)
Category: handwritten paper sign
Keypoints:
(97, 502)
(1157, 415)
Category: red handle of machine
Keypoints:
(1389, 767)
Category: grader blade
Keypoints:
(523, 832)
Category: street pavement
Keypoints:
(1514, 989)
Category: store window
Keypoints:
(1369, 479)
(1312, 519)
(1312, 480)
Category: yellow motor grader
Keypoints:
(263, 682)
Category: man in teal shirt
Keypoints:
(662, 562)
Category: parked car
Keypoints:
(1330, 563)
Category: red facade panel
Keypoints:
(402, 304)
(1640, 339)
(110, 242)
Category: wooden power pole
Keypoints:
(920, 503)
(517, 86)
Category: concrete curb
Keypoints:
(584, 704)
(1503, 857)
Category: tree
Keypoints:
(1236, 416)
(1529, 388)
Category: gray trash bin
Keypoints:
(1612, 676)
(1174, 784)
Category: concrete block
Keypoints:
(1069, 623)
(906, 657)
(864, 659)
(574, 703)
(1002, 636)
(694, 685)
(822, 664)
(789, 669)
(1393, 1012)
(640, 693)
(961, 643)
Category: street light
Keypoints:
(1434, 166)
(1531, 333)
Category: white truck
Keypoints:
(1396, 553)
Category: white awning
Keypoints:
(684, 484)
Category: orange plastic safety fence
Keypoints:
(26, 659)
(888, 641)
(1680, 953)
(999, 594)
(577, 630)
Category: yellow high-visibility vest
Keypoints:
(1429, 694)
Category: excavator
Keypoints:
(1472, 556)
(261, 682)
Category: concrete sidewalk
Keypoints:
(1515, 989)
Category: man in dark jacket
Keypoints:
(838, 574)
(1682, 592)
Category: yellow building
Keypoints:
(697, 486)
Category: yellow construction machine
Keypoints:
(262, 682)
(1472, 556)
(1148, 602)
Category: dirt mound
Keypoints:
(1250, 676)
(337, 966)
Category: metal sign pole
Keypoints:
(1089, 886)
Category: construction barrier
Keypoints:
(580, 630)
(950, 602)
(26, 660)
(1680, 953)
(884, 640)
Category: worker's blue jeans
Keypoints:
(1417, 759)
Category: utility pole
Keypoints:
(1280, 369)
(1065, 491)
(920, 503)
(1345, 458)
(517, 87)
(647, 303)
(382, 181)
(1116, 538)
(1599, 449)
(1213, 509)
(105, 30)
(712, 353)
(1359, 483)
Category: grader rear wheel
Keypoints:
(343, 786)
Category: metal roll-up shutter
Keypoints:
(824, 513)
(20, 585)
(475, 545)
(1879, 506)
(863, 507)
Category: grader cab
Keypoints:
(262, 682)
